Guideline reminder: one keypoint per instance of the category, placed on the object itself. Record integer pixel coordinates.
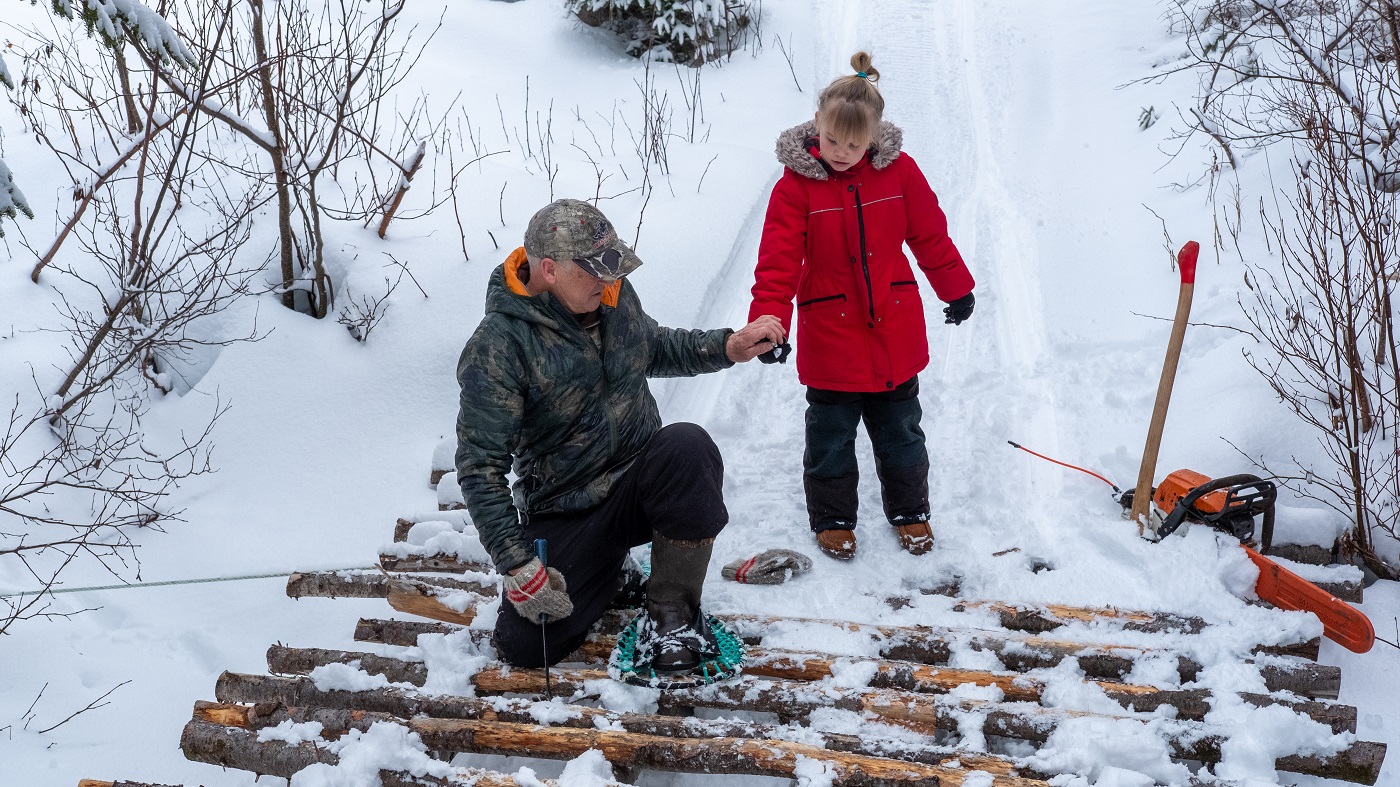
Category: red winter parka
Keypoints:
(834, 241)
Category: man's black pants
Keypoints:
(675, 488)
(829, 470)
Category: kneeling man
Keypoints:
(554, 387)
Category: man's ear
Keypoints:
(549, 271)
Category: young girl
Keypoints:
(833, 238)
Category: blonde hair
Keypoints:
(851, 106)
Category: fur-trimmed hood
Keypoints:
(792, 149)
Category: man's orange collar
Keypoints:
(517, 260)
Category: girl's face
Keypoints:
(839, 154)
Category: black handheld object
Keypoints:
(957, 311)
(778, 354)
(541, 552)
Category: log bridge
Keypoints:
(917, 723)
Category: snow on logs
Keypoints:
(433, 597)
(647, 741)
(284, 695)
(791, 700)
(899, 676)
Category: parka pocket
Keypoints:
(823, 302)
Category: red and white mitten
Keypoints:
(770, 567)
(539, 594)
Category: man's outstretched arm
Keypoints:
(686, 353)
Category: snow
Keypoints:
(1014, 111)
(292, 732)
(364, 754)
(346, 677)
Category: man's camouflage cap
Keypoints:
(570, 229)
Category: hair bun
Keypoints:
(862, 64)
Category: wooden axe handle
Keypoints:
(1142, 495)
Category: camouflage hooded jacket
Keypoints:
(539, 397)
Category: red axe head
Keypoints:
(1186, 261)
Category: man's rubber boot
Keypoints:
(679, 638)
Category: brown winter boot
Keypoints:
(915, 537)
(840, 544)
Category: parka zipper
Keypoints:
(864, 262)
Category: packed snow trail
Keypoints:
(982, 386)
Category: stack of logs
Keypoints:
(910, 688)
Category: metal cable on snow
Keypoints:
(125, 586)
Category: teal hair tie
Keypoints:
(862, 75)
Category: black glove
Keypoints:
(778, 354)
(959, 310)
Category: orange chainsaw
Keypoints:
(1231, 505)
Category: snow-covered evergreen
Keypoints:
(12, 201)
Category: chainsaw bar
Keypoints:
(1342, 623)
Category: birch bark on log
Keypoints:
(119, 783)
(369, 584)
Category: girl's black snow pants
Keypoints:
(675, 487)
(829, 470)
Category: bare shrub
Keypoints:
(1317, 79)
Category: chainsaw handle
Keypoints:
(1186, 503)
(1186, 261)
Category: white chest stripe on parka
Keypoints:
(863, 204)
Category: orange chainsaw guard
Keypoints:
(1341, 622)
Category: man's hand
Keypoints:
(538, 593)
(959, 310)
(757, 337)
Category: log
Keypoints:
(236, 747)
(402, 526)
(280, 694)
(709, 754)
(423, 599)
(398, 632)
(232, 747)
(442, 564)
(369, 584)
(282, 660)
(118, 783)
(1038, 619)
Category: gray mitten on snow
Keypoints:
(770, 567)
(539, 594)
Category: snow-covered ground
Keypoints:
(1017, 113)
